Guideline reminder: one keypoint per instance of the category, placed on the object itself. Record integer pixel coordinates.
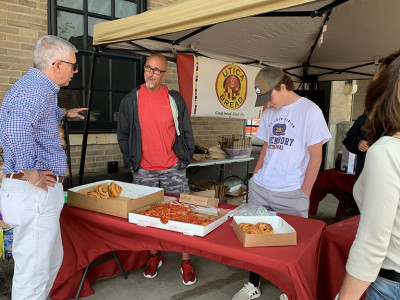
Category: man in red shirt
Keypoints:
(156, 140)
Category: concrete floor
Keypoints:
(214, 281)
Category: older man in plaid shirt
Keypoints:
(31, 195)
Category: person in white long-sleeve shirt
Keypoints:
(373, 264)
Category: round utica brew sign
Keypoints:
(231, 87)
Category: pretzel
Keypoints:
(94, 194)
(114, 189)
(103, 191)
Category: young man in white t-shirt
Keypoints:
(293, 129)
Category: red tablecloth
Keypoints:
(335, 246)
(335, 182)
(88, 235)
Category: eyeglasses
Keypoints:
(75, 66)
(156, 71)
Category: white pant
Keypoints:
(37, 248)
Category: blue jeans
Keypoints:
(383, 289)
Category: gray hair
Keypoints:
(50, 48)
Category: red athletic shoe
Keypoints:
(153, 263)
(188, 273)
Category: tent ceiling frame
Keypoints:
(329, 7)
(176, 42)
(324, 12)
(315, 13)
(312, 14)
(347, 70)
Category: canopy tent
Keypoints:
(324, 40)
(310, 39)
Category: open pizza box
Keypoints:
(284, 234)
(132, 197)
(220, 216)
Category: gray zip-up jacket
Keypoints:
(129, 135)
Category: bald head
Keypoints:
(155, 71)
(162, 60)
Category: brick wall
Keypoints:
(340, 110)
(96, 159)
(21, 24)
(359, 98)
(207, 130)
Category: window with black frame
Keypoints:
(115, 73)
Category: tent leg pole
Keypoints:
(95, 53)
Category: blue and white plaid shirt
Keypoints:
(29, 133)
